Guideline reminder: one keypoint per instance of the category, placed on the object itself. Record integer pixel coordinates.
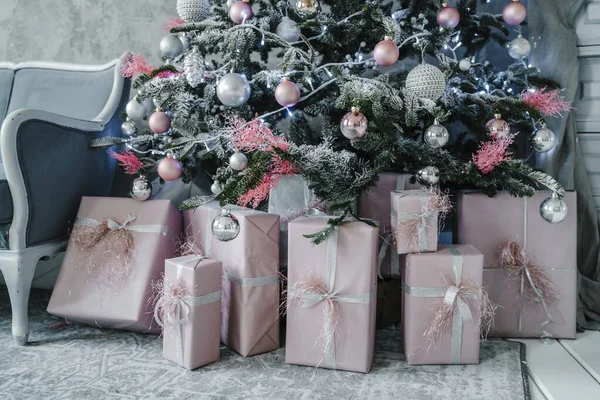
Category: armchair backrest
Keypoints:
(6, 81)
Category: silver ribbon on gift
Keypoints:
(423, 216)
(127, 226)
(308, 299)
(182, 308)
(452, 297)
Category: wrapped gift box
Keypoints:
(343, 339)
(430, 281)
(488, 223)
(93, 286)
(409, 207)
(191, 305)
(250, 303)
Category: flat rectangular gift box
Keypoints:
(488, 223)
(354, 277)
(196, 341)
(424, 275)
(87, 289)
(250, 303)
(409, 205)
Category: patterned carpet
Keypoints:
(77, 362)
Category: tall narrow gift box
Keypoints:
(491, 223)
(414, 224)
(250, 303)
(376, 205)
(104, 283)
(190, 310)
(451, 278)
(331, 296)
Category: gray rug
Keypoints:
(77, 362)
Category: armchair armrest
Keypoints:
(49, 166)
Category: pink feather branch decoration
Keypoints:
(173, 22)
(492, 153)
(135, 65)
(130, 163)
(548, 102)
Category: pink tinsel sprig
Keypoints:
(167, 74)
(134, 65)
(173, 22)
(492, 153)
(255, 135)
(548, 102)
(128, 161)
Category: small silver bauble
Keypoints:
(171, 46)
(135, 110)
(306, 8)
(437, 135)
(129, 128)
(288, 30)
(225, 226)
(543, 140)
(429, 176)
(426, 82)
(186, 42)
(238, 161)
(216, 188)
(554, 209)
(519, 48)
(140, 190)
(233, 90)
(194, 10)
(464, 64)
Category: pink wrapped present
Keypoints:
(442, 306)
(331, 299)
(376, 205)
(414, 221)
(542, 254)
(117, 249)
(189, 310)
(250, 302)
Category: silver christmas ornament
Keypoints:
(554, 209)
(437, 135)
(464, 64)
(193, 66)
(216, 188)
(141, 190)
(194, 10)
(185, 41)
(429, 176)
(288, 30)
(543, 140)
(171, 46)
(426, 82)
(129, 128)
(306, 8)
(135, 110)
(233, 90)
(238, 161)
(225, 226)
(519, 48)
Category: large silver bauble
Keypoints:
(288, 30)
(225, 226)
(554, 210)
(233, 90)
(194, 10)
(216, 188)
(437, 135)
(238, 161)
(141, 190)
(171, 46)
(543, 140)
(135, 110)
(426, 82)
(519, 48)
(129, 128)
(428, 176)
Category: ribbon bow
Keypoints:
(534, 283)
(115, 226)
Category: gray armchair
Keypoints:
(50, 112)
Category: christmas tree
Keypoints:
(251, 91)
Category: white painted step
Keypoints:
(586, 350)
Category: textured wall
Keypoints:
(81, 31)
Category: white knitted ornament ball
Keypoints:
(194, 10)
(426, 82)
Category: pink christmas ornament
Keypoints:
(386, 52)
(240, 11)
(448, 16)
(287, 93)
(514, 13)
(169, 169)
(354, 124)
(497, 128)
(159, 122)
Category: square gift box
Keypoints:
(414, 225)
